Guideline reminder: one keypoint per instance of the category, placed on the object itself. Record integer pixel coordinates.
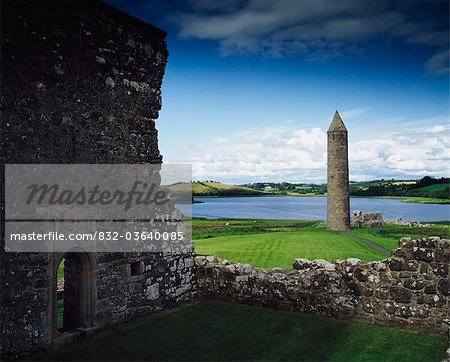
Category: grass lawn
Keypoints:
(59, 314)
(441, 229)
(278, 249)
(220, 331)
(387, 236)
(387, 242)
(61, 269)
(207, 228)
(275, 243)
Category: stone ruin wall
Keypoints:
(375, 219)
(80, 83)
(370, 219)
(408, 290)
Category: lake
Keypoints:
(311, 208)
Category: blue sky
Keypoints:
(251, 86)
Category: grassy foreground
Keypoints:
(218, 331)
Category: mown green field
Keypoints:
(276, 243)
(278, 249)
(219, 331)
(388, 235)
(387, 242)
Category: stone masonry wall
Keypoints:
(367, 219)
(130, 285)
(338, 204)
(408, 290)
(80, 83)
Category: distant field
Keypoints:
(416, 200)
(426, 200)
(406, 182)
(207, 228)
(403, 190)
(435, 187)
(209, 188)
(441, 229)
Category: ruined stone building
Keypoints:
(338, 201)
(80, 83)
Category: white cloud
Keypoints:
(439, 63)
(352, 113)
(284, 153)
(437, 129)
(320, 29)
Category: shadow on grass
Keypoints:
(219, 331)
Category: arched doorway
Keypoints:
(78, 297)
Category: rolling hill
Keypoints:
(213, 188)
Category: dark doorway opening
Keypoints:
(60, 295)
(74, 301)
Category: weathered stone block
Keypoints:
(424, 254)
(435, 300)
(413, 284)
(152, 291)
(402, 264)
(442, 254)
(360, 274)
(241, 278)
(355, 289)
(440, 269)
(400, 294)
(444, 286)
(405, 242)
(430, 289)
(381, 294)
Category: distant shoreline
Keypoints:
(415, 200)
(427, 190)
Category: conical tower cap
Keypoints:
(337, 124)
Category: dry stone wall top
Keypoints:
(408, 290)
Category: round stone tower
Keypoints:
(338, 202)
